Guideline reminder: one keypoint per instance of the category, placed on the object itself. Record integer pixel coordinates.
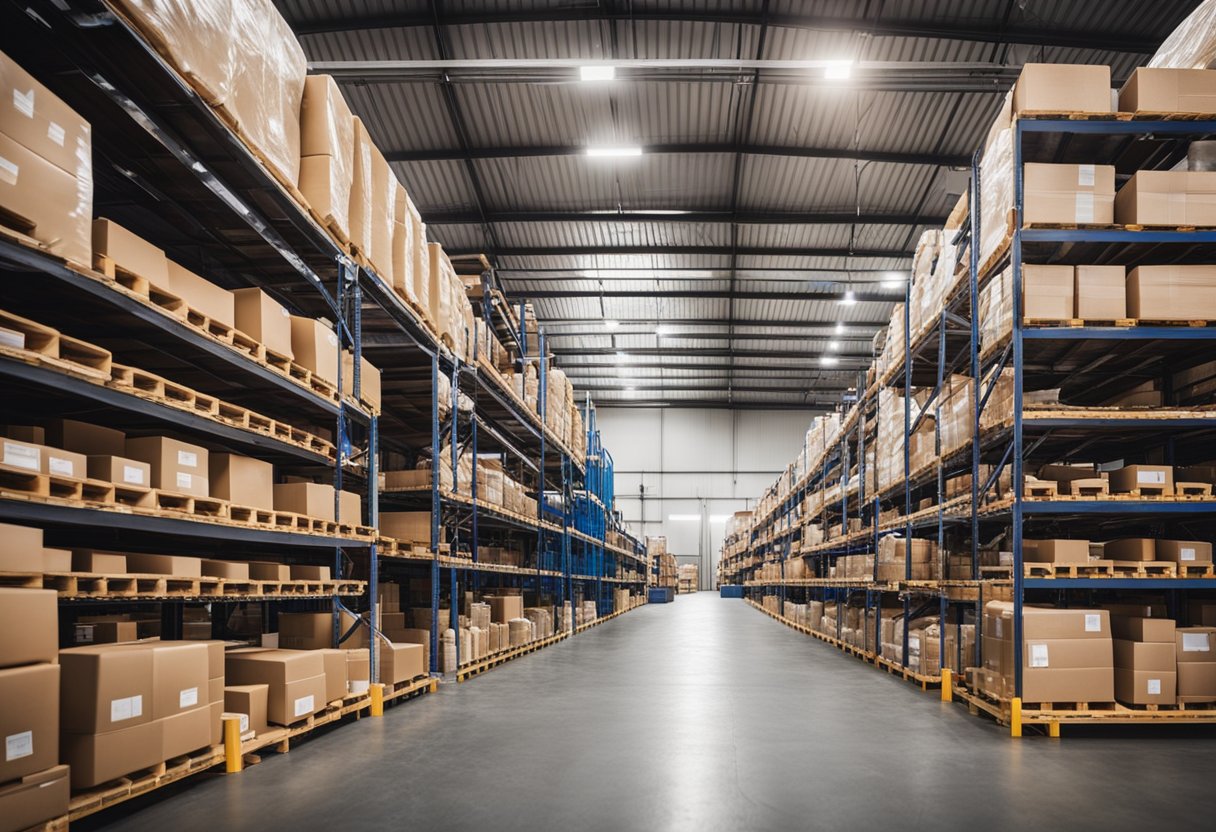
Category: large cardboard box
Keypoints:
(308, 498)
(1101, 292)
(1069, 194)
(360, 218)
(327, 137)
(182, 566)
(262, 318)
(241, 480)
(105, 688)
(1062, 88)
(1197, 681)
(120, 470)
(1146, 687)
(185, 732)
(409, 526)
(131, 253)
(37, 119)
(1055, 551)
(369, 380)
(336, 682)
(350, 507)
(86, 439)
(20, 551)
(1047, 292)
(315, 347)
(1168, 197)
(97, 758)
(1184, 551)
(504, 608)
(34, 799)
(266, 571)
(249, 700)
(229, 570)
(201, 295)
(1131, 477)
(179, 677)
(1172, 293)
(1130, 548)
(296, 679)
(101, 563)
(401, 662)
(1154, 90)
(306, 630)
(176, 466)
(29, 719)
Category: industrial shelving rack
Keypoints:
(174, 171)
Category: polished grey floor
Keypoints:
(703, 714)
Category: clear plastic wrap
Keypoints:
(327, 142)
(996, 310)
(384, 183)
(195, 36)
(403, 246)
(419, 257)
(996, 193)
(361, 190)
(1193, 44)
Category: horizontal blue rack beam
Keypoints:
(1119, 333)
(1129, 507)
(1119, 583)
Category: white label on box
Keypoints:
(17, 746)
(999, 628)
(284, 312)
(56, 133)
(1150, 477)
(244, 722)
(1038, 654)
(132, 474)
(126, 708)
(20, 456)
(333, 339)
(1093, 623)
(1187, 553)
(187, 459)
(187, 698)
(184, 479)
(359, 686)
(8, 171)
(304, 706)
(1195, 643)
(12, 338)
(23, 102)
(84, 633)
(1154, 687)
(1085, 175)
(61, 466)
(1084, 210)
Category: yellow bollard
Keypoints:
(1015, 717)
(234, 761)
(947, 685)
(377, 708)
(1053, 730)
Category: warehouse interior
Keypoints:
(723, 414)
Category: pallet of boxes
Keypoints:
(686, 578)
(662, 585)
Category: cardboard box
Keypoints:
(1195, 644)
(336, 683)
(265, 571)
(1197, 682)
(105, 632)
(201, 295)
(242, 480)
(306, 630)
(350, 507)
(186, 732)
(401, 662)
(262, 318)
(179, 677)
(361, 190)
(1155, 90)
(308, 498)
(327, 161)
(409, 526)
(1130, 548)
(86, 439)
(1131, 477)
(1101, 292)
(29, 720)
(131, 253)
(315, 346)
(1055, 551)
(227, 569)
(120, 470)
(1042, 623)
(1055, 653)
(358, 671)
(181, 566)
(305, 572)
(1062, 88)
(249, 700)
(504, 608)
(34, 434)
(369, 380)
(105, 688)
(1146, 687)
(56, 560)
(383, 201)
(37, 119)
(20, 549)
(1072, 684)
(60, 463)
(1168, 197)
(1069, 194)
(97, 758)
(35, 799)
(101, 563)
(1172, 293)
(1184, 551)
(29, 623)
(176, 466)
(23, 457)
(296, 679)
(1145, 655)
(1142, 629)
(1047, 292)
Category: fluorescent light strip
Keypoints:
(614, 152)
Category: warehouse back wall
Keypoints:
(698, 466)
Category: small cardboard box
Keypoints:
(105, 632)
(47, 203)
(504, 608)
(96, 758)
(350, 507)
(100, 563)
(181, 566)
(1142, 629)
(1197, 682)
(1083, 194)
(200, 294)
(315, 346)
(1161, 90)
(1168, 197)
(1195, 644)
(1062, 88)
(35, 798)
(1132, 477)
(1145, 655)
(105, 688)
(242, 480)
(401, 662)
(120, 470)
(176, 466)
(1184, 551)
(308, 498)
(336, 683)
(56, 560)
(369, 380)
(20, 549)
(1130, 548)
(1055, 551)
(131, 253)
(249, 700)
(60, 463)
(306, 630)
(262, 318)
(1047, 292)
(1146, 687)
(29, 624)
(23, 457)
(86, 439)
(1101, 292)
(29, 720)
(296, 679)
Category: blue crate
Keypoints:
(730, 591)
(660, 595)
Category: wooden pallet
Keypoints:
(160, 389)
(34, 484)
(1195, 570)
(1093, 569)
(1145, 569)
(1192, 489)
(45, 346)
(170, 502)
(140, 286)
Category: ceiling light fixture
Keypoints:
(850, 298)
(661, 331)
(833, 345)
(609, 323)
(893, 280)
(840, 328)
(622, 357)
(614, 152)
(683, 518)
(838, 70)
(829, 360)
(597, 72)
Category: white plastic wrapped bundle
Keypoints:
(996, 193)
(195, 36)
(405, 244)
(922, 290)
(327, 146)
(439, 291)
(1193, 44)
(996, 309)
(360, 214)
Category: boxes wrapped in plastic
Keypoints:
(439, 291)
(195, 36)
(384, 202)
(360, 214)
(996, 193)
(1193, 44)
(327, 148)
(406, 261)
(996, 310)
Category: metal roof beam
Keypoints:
(597, 368)
(1132, 42)
(815, 327)
(698, 336)
(705, 294)
(742, 217)
(850, 154)
(752, 251)
(664, 387)
(711, 352)
(808, 407)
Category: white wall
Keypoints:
(695, 462)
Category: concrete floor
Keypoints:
(703, 714)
